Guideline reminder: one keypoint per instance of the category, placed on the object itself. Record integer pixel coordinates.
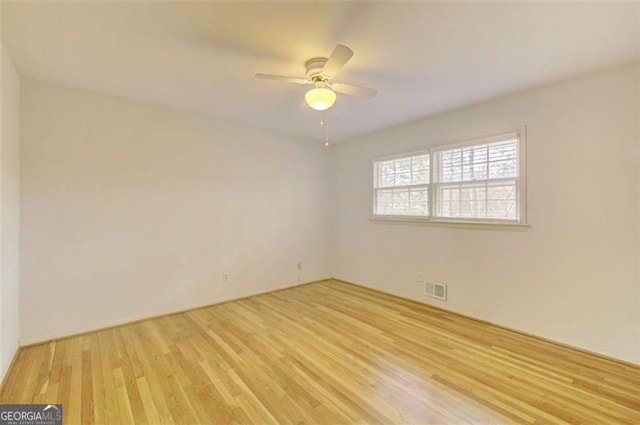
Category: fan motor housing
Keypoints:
(314, 69)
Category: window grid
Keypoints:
(477, 181)
(401, 186)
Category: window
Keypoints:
(401, 186)
(480, 180)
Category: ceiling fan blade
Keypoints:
(353, 90)
(339, 57)
(283, 78)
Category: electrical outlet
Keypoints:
(225, 276)
(419, 278)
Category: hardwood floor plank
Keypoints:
(325, 353)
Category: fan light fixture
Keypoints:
(320, 73)
(320, 98)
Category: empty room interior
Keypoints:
(320, 212)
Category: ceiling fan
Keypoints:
(320, 73)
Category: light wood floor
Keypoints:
(325, 353)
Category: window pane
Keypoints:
(406, 182)
(493, 200)
(384, 201)
(478, 181)
(384, 174)
(420, 169)
(503, 159)
(503, 169)
(402, 202)
(496, 160)
(413, 170)
(420, 162)
(464, 200)
(451, 165)
(502, 200)
(419, 201)
(420, 177)
(403, 171)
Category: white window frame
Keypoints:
(427, 185)
(521, 185)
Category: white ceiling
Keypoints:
(422, 57)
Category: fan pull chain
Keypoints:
(323, 122)
(326, 135)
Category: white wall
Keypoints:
(9, 210)
(572, 276)
(131, 210)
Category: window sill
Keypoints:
(460, 224)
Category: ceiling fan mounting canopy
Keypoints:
(314, 69)
(319, 72)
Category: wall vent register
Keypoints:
(436, 290)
